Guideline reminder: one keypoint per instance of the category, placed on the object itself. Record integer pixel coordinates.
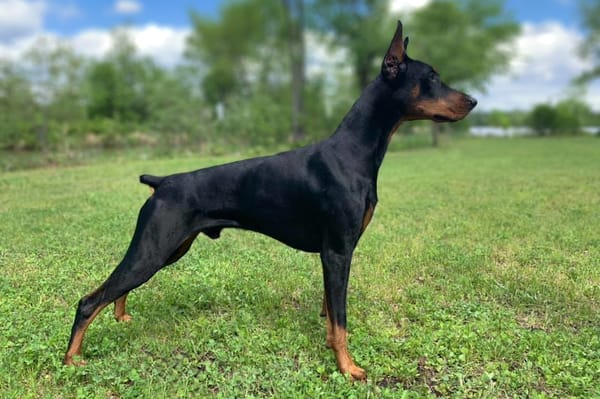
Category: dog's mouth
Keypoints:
(442, 118)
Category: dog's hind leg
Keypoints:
(120, 312)
(161, 237)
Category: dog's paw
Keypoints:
(69, 361)
(356, 373)
(124, 318)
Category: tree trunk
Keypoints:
(436, 131)
(295, 16)
(364, 70)
(42, 135)
(362, 76)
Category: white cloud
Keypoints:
(164, 44)
(93, 43)
(407, 5)
(15, 48)
(127, 7)
(544, 63)
(20, 18)
(548, 51)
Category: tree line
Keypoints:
(246, 79)
(567, 117)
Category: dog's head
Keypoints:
(418, 89)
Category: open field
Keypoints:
(479, 276)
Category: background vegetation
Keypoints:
(243, 82)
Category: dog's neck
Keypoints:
(367, 128)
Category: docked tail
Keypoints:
(152, 181)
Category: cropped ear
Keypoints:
(393, 62)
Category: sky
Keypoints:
(544, 59)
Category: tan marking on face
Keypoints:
(433, 107)
(415, 92)
(455, 107)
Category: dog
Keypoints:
(319, 198)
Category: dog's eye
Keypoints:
(434, 78)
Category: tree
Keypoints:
(500, 118)
(567, 117)
(572, 115)
(173, 107)
(255, 45)
(590, 14)
(228, 49)
(466, 40)
(16, 107)
(360, 26)
(119, 85)
(543, 119)
(294, 12)
(56, 75)
(102, 82)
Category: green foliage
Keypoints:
(55, 76)
(260, 119)
(233, 48)
(590, 15)
(121, 84)
(466, 284)
(60, 103)
(363, 27)
(543, 119)
(172, 106)
(16, 107)
(102, 80)
(567, 117)
(500, 118)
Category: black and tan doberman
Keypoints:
(318, 198)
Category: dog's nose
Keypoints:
(471, 101)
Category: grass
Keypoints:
(478, 277)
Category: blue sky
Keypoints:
(564, 11)
(159, 29)
(72, 16)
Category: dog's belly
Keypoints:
(294, 229)
(301, 237)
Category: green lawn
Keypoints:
(479, 276)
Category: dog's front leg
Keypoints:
(336, 270)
